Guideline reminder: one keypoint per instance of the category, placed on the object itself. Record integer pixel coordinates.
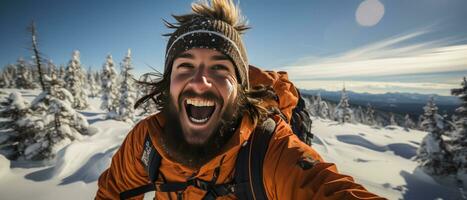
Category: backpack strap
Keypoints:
(249, 164)
(151, 159)
(248, 180)
(301, 122)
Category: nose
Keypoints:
(200, 82)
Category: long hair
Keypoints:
(250, 101)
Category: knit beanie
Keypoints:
(208, 33)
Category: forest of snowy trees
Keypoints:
(36, 130)
(442, 152)
(51, 120)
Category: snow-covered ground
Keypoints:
(380, 159)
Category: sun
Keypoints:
(369, 12)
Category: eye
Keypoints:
(220, 67)
(185, 65)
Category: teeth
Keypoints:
(199, 120)
(199, 102)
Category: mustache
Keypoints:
(210, 95)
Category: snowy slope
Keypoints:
(379, 159)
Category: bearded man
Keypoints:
(211, 103)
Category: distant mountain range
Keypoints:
(400, 103)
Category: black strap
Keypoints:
(248, 180)
(249, 165)
(151, 159)
(137, 191)
(301, 122)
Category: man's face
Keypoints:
(203, 88)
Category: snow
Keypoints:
(431, 144)
(18, 101)
(32, 148)
(74, 173)
(4, 165)
(380, 159)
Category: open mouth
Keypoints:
(199, 110)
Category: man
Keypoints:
(211, 103)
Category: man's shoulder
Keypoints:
(286, 146)
(149, 124)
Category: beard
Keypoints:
(194, 156)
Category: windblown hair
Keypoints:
(224, 10)
(230, 13)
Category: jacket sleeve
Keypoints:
(126, 170)
(293, 170)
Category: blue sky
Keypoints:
(372, 46)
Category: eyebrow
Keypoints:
(186, 55)
(219, 57)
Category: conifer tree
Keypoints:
(408, 124)
(74, 77)
(109, 88)
(343, 113)
(127, 91)
(18, 122)
(10, 72)
(459, 143)
(4, 80)
(61, 124)
(392, 120)
(61, 73)
(92, 85)
(433, 155)
(319, 107)
(22, 78)
(359, 115)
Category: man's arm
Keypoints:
(293, 170)
(126, 170)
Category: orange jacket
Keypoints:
(291, 169)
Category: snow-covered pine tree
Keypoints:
(369, 115)
(319, 107)
(343, 113)
(22, 79)
(126, 112)
(408, 124)
(10, 72)
(359, 115)
(459, 142)
(33, 76)
(324, 110)
(60, 122)
(92, 85)
(449, 125)
(109, 88)
(314, 107)
(392, 120)
(74, 76)
(61, 73)
(419, 122)
(18, 123)
(433, 155)
(97, 81)
(4, 80)
(50, 68)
